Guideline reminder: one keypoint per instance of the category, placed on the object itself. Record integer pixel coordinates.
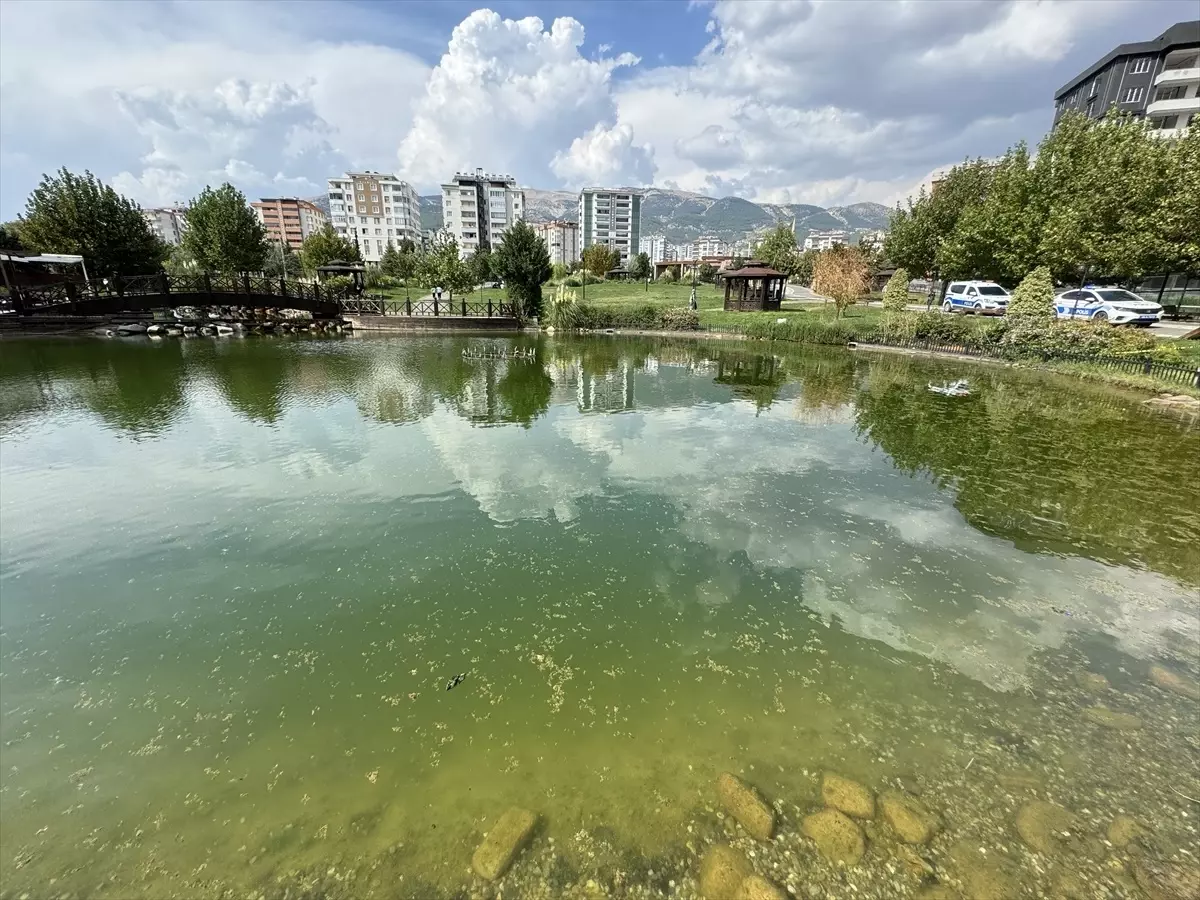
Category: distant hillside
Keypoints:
(684, 216)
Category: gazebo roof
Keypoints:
(340, 265)
(753, 269)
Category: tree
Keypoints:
(482, 265)
(803, 272)
(325, 246)
(737, 262)
(523, 261)
(407, 246)
(9, 238)
(778, 250)
(708, 272)
(641, 267)
(895, 293)
(1033, 300)
(599, 258)
(79, 214)
(1176, 217)
(843, 274)
(443, 267)
(389, 261)
(223, 234)
(282, 262)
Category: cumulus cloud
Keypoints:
(605, 155)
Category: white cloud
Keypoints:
(605, 156)
(510, 94)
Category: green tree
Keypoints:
(778, 250)
(1033, 300)
(708, 273)
(282, 262)
(482, 264)
(737, 262)
(389, 261)
(79, 214)
(803, 272)
(443, 267)
(895, 293)
(641, 267)
(9, 238)
(843, 274)
(524, 263)
(325, 246)
(223, 234)
(407, 246)
(599, 259)
(1177, 214)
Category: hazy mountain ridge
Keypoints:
(685, 216)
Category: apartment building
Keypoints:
(168, 222)
(478, 207)
(823, 240)
(658, 248)
(374, 209)
(1159, 79)
(562, 240)
(288, 220)
(612, 217)
(709, 245)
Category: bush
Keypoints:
(1081, 338)
(377, 281)
(668, 276)
(1033, 300)
(572, 314)
(337, 285)
(895, 293)
(681, 319)
(578, 279)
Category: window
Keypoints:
(377, 222)
(1132, 95)
(375, 209)
(389, 221)
(1139, 65)
(1171, 93)
(374, 198)
(362, 220)
(362, 198)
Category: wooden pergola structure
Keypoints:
(755, 286)
(355, 271)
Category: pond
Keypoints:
(239, 576)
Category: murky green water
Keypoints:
(237, 576)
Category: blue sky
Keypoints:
(784, 101)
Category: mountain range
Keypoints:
(683, 216)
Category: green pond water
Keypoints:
(237, 576)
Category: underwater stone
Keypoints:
(848, 796)
(1123, 831)
(502, 844)
(755, 887)
(1167, 881)
(1041, 825)
(744, 803)
(1107, 718)
(722, 871)
(1090, 681)
(836, 835)
(1171, 681)
(912, 822)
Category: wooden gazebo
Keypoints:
(755, 286)
(354, 271)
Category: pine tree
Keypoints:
(895, 293)
(1033, 300)
(523, 261)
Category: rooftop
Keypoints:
(1181, 34)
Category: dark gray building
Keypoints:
(1159, 79)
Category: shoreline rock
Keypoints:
(722, 871)
(746, 805)
(506, 839)
(1172, 681)
(1043, 825)
(1107, 718)
(909, 818)
(837, 836)
(848, 796)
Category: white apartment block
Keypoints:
(562, 240)
(658, 248)
(708, 246)
(168, 222)
(478, 207)
(824, 240)
(374, 209)
(612, 217)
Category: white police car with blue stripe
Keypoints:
(1112, 305)
(983, 298)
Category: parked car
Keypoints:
(983, 298)
(1114, 305)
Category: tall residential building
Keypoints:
(168, 222)
(562, 240)
(823, 240)
(658, 248)
(612, 217)
(288, 220)
(1159, 79)
(477, 208)
(373, 209)
(709, 245)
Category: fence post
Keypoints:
(246, 281)
(435, 305)
(1146, 367)
(166, 283)
(1196, 379)
(208, 287)
(283, 286)
(407, 306)
(464, 308)
(489, 307)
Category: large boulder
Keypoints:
(1123, 831)
(848, 796)
(909, 818)
(758, 888)
(502, 844)
(1043, 825)
(722, 871)
(1172, 681)
(836, 835)
(744, 803)
(1107, 718)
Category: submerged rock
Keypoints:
(938, 892)
(836, 835)
(743, 802)
(1107, 718)
(1043, 825)
(848, 796)
(1123, 831)
(1090, 681)
(722, 872)
(909, 818)
(1167, 881)
(756, 887)
(1172, 681)
(502, 844)
(983, 876)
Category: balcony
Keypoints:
(1182, 106)
(1179, 75)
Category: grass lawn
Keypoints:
(620, 293)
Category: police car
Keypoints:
(1107, 304)
(983, 298)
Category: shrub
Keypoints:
(1082, 338)
(337, 284)
(1033, 300)
(668, 276)
(378, 281)
(578, 279)
(681, 319)
(895, 293)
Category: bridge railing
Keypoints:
(376, 305)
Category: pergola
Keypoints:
(755, 286)
(340, 267)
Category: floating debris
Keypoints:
(456, 681)
(957, 388)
